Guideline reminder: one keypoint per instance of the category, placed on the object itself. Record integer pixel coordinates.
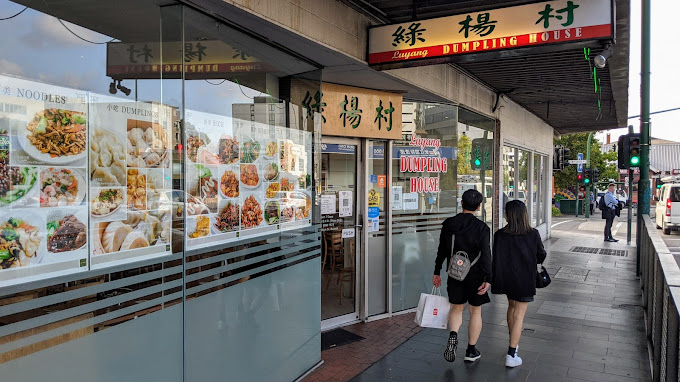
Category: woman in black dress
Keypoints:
(517, 249)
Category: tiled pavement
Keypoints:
(381, 337)
(586, 326)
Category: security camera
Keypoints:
(601, 59)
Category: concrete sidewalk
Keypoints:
(586, 326)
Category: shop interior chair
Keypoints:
(335, 250)
(347, 274)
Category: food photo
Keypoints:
(60, 187)
(21, 240)
(106, 201)
(107, 158)
(139, 230)
(227, 219)
(56, 136)
(65, 232)
(147, 144)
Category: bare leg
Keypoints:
(475, 327)
(456, 317)
(519, 311)
(511, 310)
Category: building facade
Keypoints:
(195, 190)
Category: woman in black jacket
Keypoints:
(517, 249)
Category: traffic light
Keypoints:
(579, 177)
(480, 157)
(561, 157)
(596, 175)
(629, 151)
(566, 155)
(587, 176)
(634, 150)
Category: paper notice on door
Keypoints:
(345, 204)
(348, 233)
(397, 198)
(328, 203)
(411, 201)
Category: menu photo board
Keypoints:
(130, 180)
(245, 179)
(43, 181)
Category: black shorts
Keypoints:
(461, 292)
(521, 299)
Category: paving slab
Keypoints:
(586, 326)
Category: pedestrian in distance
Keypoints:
(517, 250)
(473, 237)
(609, 207)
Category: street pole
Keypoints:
(587, 197)
(643, 184)
(578, 189)
(630, 197)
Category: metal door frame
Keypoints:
(359, 247)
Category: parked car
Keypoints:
(521, 196)
(668, 208)
(622, 196)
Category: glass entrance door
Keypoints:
(340, 230)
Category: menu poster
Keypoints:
(130, 180)
(43, 188)
(245, 179)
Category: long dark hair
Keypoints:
(517, 217)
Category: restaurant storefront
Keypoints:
(384, 196)
(158, 220)
(193, 191)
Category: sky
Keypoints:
(665, 77)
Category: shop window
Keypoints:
(447, 151)
(116, 128)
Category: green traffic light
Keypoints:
(477, 162)
(586, 181)
(634, 160)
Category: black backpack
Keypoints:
(601, 205)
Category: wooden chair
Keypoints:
(335, 250)
(347, 273)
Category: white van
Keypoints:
(668, 207)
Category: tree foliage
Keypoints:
(464, 155)
(577, 143)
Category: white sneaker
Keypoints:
(512, 361)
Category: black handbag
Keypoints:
(542, 278)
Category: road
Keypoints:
(619, 229)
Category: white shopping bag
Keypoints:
(433, 310)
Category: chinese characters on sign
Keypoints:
(546, 14)
(355, 112)
(484, 26)
(519, 26)
(149, 60)
(413, 35)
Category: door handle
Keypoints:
(358, 226)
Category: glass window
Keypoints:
(446, 150)
(160, 163)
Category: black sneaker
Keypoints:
(450, 352)
(472, 356)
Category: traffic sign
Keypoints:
(582, 162)
(576, 161)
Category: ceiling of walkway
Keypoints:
(555, 85)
